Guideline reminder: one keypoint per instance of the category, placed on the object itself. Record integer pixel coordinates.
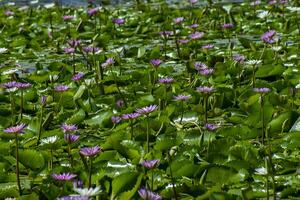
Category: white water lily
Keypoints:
(253, 62)
(261, 171)
(276, 48)
(3, 50)
(87, 191)
(49, 140)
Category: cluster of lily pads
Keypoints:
(194, 100)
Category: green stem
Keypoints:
(152, 179)
(271, 164)
(51, 159)
(131, 126)
(70, 155)
(148, 135)
(90, 172)
(205, 107)
(253, 75)
(40, 127)
(12, 107)
(262, 118)
(181, 112)
(17, 167)
(267, 181)
(21, 104)
(173, 183)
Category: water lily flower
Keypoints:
(71, 138)
(69, 127)
(116, 119)
(108, 62)
(92, 49)
(89, 192)
(166, 34)
(183, 41)
(193, 1)
(23, 85)
(148, 194)
(239, 58)
(155, 62)
(150, 164)
(253, 62)
(206, 71)
(131, 116)
(166, 80)
(69, 50)
(118, 21)
(74, 197)
(205, 89)
(182, 97)
(194, 26)
(211, 127)
(3, 50)
(196, 35)
(120, 103)
(9, 13)
(208, 46)
(269, 37)
(49, 140)
(61, 88)
(200, 66)
(77, 76)
(178, 20)
(92, 11)
(74, 43)
(255, 3)
(262, 90)
(90, 151)
(17, 129)
(227, 26)
(146, 110)
(43, 100)
(68, 17)
(63, 177)
(261, 171)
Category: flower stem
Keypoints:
(205, 107)
(181, 112)
(148, 135)
(90, 172)
(40, 127)
(21, 104)
(262, 118)
(253, 75)
(17, 167)
(173, 183)
(12, 107)
(152, 179)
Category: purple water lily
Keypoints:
(166, 34)
(116, 119)
(91, 49)
(74, 43)
(208, 46)
(183, 41)
(196, 35)
(131, 116)
(155, 62)
(206, 71)
(68, 17)
(77, 76)
(269, 37)
(74, 197)
(93, 11)
(178, 20)
(69, 50)
(17, 129)
(227, 26)
(166, 80)
(148, 194)
(200, 66)
(63, 177)
(182, 97)
(239, 58)
(146, 110)
(61, 88)
(90, 151)
(194, 26)
(118, 21)
(108, 62)
(71, 138)
(150, 164)
(69, 128)
(262, 90)
(205, 89)
(9, 13)
(211, 127)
